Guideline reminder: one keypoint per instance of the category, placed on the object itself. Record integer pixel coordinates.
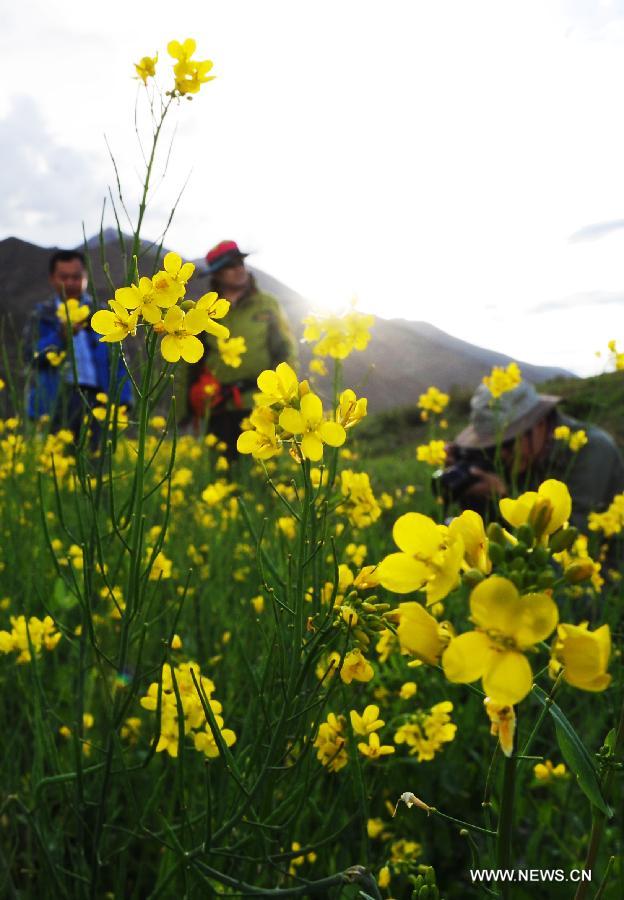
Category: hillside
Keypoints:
(403, 357)
(387, 439)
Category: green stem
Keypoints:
(505, 820)
(599, 818)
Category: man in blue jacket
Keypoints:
(61, 386)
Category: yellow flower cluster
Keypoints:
(508, 622)
(611, 521)
(432, 401)
(287, 412)
(42, 634)
(500, 380)
(231, 351)
(338, 336)
(546, 772)
(189, 74)
(147, 300)
(194, 723)
(433, 453)
(297, 861)
(360, 506)
(367, 725)
(574, 439)
(73, 311)
(331, 743)
(578, 565)
(425, 733)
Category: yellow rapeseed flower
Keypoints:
(368, 722)
(308, 423)
(507, 625)
(433, 400)
(546, 772)
(374, 749)
(430, 558)
(584, 655)
(74, 311)
(433, 453)
(356, 667)
(146, 67)
(350, 410)
(500, 380)
(231, 351)
(420, 634)
(180, 341)
(114, 324)
(470, 528)
(547, 509)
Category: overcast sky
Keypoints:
(455, 162)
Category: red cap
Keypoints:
(223, 253)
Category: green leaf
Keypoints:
(609, 742)
(575, 754)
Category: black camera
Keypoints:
(451, 483)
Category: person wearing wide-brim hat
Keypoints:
(519, 427)
(255, 316)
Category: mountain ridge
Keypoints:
(403, 357)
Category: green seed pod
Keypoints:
(546, 579)
(472, 577)
(187, 305)
(525, 534)
(563, 539)
(496, 553)
(517, 579)
(495, 533)
(540, 557)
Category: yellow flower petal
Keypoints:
(192, 349)
(312, 447)
(401, 573)
(508, 677)
(466, 657)
(311, 408)
(332, 433)
(559, 496)
(419, 633)
(516, 512)
(417, 534)
(172, 263)
(292, 421)
(170, 348)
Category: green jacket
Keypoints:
(594, 475)
(257, 317)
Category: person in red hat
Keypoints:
(255, 316)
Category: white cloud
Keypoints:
(431, 158)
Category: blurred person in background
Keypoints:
(225, 391)
(528, 428)
(60, 388)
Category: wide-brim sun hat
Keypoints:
(224, 254)
(496, 420)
